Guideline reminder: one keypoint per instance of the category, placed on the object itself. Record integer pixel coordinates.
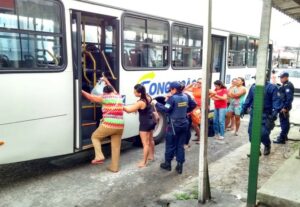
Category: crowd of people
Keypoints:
(182, 108)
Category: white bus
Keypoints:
(52, 49)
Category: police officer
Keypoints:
(271, 108)
(286, 92)
(176, 107)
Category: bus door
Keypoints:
(95, 54)
(218, 58)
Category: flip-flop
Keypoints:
(96, 162)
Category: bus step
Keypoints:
(87, 128)
(90, 106)
(88, 123)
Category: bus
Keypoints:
(50, 50)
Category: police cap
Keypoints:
(175, 85)
(283, 74)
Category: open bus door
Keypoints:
(218, 58)
(95, 53)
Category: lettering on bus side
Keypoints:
(158, 88)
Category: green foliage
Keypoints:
(182, 196)
(187, 196)
(296, 145)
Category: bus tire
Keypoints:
(159, 132)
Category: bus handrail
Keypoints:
(107, 64)
(52, 55)
(94, 67)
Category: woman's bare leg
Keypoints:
(197, 129)
(151, 146)
(145, 141)
(237, 124)
(232, 122)
(228, 120)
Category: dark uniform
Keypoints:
(176, 108)
(286, 92)
(271, 108)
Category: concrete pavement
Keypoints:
(283, 188)
(229, 175)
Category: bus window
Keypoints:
(31, 36)
(252, 52)
(145, 43)
(237, 51)
(186, 47)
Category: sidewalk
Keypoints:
(229, 176)
(283, 188)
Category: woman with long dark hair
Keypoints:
(147, 122)
(219, 95)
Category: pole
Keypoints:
(258, 101)
(203, 185)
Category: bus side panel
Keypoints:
(36, 115)
(35, 139)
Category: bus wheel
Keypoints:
(159, 132)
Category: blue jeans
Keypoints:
(219, 121)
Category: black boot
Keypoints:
(179, 168)
(166, 166)
(279, 140)
(267, 150)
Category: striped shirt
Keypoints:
(112, 111)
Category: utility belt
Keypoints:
(177, 123)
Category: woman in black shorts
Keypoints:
(147, 122)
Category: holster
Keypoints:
(270, 122)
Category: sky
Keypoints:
(244, 16)
(284, 30)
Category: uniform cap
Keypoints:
(284, 74)
(175, 84)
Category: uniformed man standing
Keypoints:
(271, 107)
(286, 92)
(176, 108)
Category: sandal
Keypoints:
(95, 162)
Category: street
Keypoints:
(73, 181)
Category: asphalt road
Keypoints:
(71, 181)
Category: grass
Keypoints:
(187, 196)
